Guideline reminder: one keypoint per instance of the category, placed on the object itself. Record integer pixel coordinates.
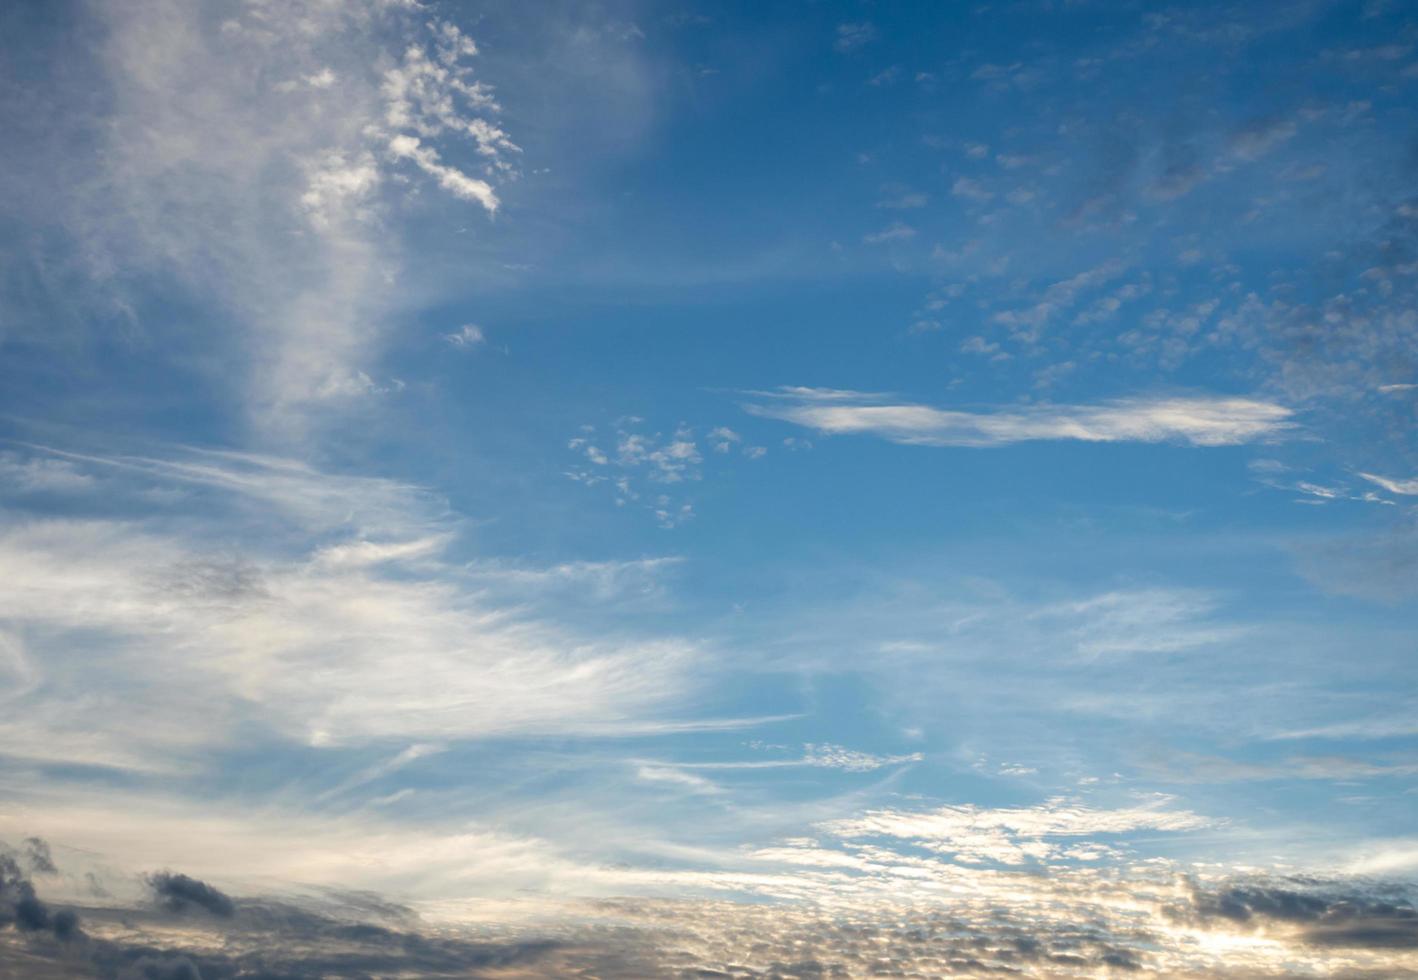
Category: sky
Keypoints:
(821, 488)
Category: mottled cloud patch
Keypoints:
(1014, 835)
(1148, 922)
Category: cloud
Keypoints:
(253, 158)
(723, 439)
(178, 892)
(852, 36)
(675, 776)
(971, 190)
(37, 853)
(468, 335)
(819, 756)
(895, 232)
(662, 462)
(905, 200)
(344, 578)
(1378, 566)
(36, 475)
(1405, 487)
(1139, 621)
(842, 912)
(299, 940)
(22, 909)
(1320, 913)
(451, 179)
(1197, 421)
(1259, 138)
(1014, 835)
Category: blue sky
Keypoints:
(574, 487)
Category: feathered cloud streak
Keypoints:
(320, 607)
(1197, 421)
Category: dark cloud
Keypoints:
(178, 892)
(23, 910)
(1323, 916)
(37, 852)
(279, 941)
(163, 968)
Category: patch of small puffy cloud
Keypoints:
(1195, 420)
(1028, 324)
(647, 469)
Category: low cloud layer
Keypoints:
(1140, 922)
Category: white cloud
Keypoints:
(722, 439)
(819, 756)
(1405, 487)
(451, 179)
(269, 198)
(468, 335)
(828, 756)
(1199, 421)
(1014, 835)
(674, 776)
(895, 232)
(662, 461)
(321, 608)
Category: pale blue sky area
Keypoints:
(867, 460)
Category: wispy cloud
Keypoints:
(1405, 487)
(255, 158)
(818, 756)
(1197, 421)
(345, 579)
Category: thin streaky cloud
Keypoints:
(1405, 487)
(1197, 421)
